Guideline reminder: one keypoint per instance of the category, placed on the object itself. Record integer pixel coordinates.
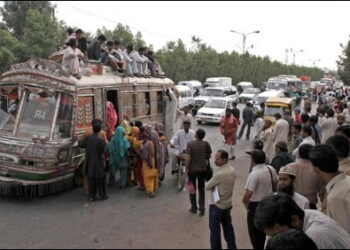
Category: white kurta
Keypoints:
(267, 137)
(281, 131)
(328, 128)
(258, 127)
(70, 61)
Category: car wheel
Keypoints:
(199, 122)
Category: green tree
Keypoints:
(344, 64)
(14, 14)
(10, 50)
(42, 34)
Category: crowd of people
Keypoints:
(120, 57)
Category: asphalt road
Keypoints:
(128, 219)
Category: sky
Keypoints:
(317, 28)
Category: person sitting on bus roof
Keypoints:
(82, 42)
(70, 60)
(107, 57)
(94, 49)
(139, 63)
(118, 53)
(70, 34)
(129, 60)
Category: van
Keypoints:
(218, 82)
(186, 96)
(194, 85)
(241, 86)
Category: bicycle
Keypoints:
(180, 170)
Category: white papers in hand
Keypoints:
(215, 194)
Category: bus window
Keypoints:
(8, 111)
(143, 103)
(85, 113)
(127, 105)
(38, 114)
(159, 102)
(64, 117)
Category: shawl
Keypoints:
(118, 147)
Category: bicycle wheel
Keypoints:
(181, 179)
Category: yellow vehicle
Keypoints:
(275, 105)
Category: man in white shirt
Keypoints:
(329, 126)
(281, 130)
(258, 125)
(325, 162)
(260, 183)
(179, 141)
(306, 133)
(129, 60)
(286, 177)
(279, 212)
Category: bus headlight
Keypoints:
(63, 155)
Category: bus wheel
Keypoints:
(78, 177)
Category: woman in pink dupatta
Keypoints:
(112, 118)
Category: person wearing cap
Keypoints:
(286, 177)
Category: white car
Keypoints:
(212, 92)
(263, 96)
(248, 94)
(213, 110)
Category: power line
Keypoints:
(113, 21)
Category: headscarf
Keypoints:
(135, 132)
(112, 115)
(152, 135)
(119, 145)
(160, 129)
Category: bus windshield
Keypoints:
(8, 111)
(37, 115)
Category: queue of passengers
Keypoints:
(125, 60)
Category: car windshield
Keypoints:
(271, 111)
(37, 115)
(212, 92)
(249, 91)
(9, 103)
(217, 104)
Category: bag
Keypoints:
(208, 170)
(190, 187)
(274, 188)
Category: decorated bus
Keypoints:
(43, 110)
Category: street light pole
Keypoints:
(295, 54)
(244, 36)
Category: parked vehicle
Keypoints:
(262, 97)
(241, 86)
(186, 96)
(213, 110)
(50, 109)
(287, 83)
(194, 85)
(217, 82)
(208, 93)
(248, 94)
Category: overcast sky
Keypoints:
(315, 27)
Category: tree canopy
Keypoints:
(30, 29)
(344, 64)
